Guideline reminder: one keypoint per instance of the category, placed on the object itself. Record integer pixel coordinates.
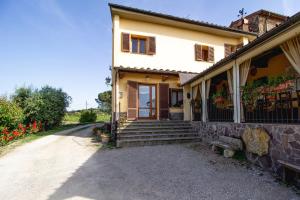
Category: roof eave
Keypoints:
(115, 7)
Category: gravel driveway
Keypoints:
(73, 167)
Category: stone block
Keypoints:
(256, 141)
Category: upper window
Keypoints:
(204, 53)
(229, 49)
(176, 97)
(138, 45)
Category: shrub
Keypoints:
(47, 105)
(10, 114)
(88, 116)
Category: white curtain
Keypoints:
(208, 82)
(230, 81)
(291, 49)
(195, 92)
(244, 71)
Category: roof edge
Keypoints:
(179, 19)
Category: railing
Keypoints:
(220, 109)
(271, 105)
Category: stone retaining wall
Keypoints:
(284, 143)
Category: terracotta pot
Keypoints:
(105, 138)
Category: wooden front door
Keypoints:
(147, 101)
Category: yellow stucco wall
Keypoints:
(144, 78)
(276, 66)
(174, 46)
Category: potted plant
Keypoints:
(218, 98)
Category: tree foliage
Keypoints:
(10, 114)
(47, 105)
(21, 95)
(104, 101)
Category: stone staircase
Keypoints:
(141, 133)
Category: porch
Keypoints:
(145, 94)
(265, 88)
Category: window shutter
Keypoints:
(163, 101)
(211, 54)
(151, 45)
(132, 100)
(125, 42)
(239, 46)
(198, 52)
(228, 49)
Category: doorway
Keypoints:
(147, 101)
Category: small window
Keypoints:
(176, 98)
(204, 53)
(138, 45)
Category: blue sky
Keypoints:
(67, 43)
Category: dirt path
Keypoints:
(73, 167)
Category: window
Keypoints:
(229, 49)
(204, 53)
(138, 45)
(176, 97)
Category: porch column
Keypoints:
(204, 105)
(235, 100)
(117, 100)
(238, 94)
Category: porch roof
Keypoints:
(154, 71)
(249, 47)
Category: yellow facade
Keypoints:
(145, 78)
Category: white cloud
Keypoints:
(54, 9)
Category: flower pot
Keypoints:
(105, 138)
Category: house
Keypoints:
(221, 80)
(154, 53)
(256, 87)
(259, 22)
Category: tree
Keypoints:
(47, 105)
(104, 101)
(21, 95)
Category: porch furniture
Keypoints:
(228, 144)
(289, 166)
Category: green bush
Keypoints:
(10, 114)
(47, 105)
(88, 116)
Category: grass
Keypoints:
(13, 144)
(73, 117)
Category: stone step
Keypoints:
(156, 141)
(153, 128)
(161, 136)
(155, 131)
(151, 123)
